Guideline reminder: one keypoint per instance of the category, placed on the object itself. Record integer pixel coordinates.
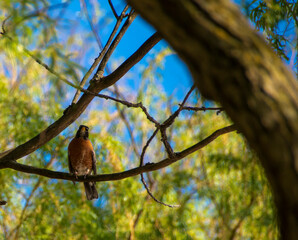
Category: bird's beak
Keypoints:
(83, 129)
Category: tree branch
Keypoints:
(121, 175)
(196, 109)
(131, 61)
(100, 70)
(169, 122)
(99, 58)
(113, 9)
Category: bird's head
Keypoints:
(83, 132)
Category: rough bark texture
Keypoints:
(232, 65)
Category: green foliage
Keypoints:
(221, 188)
(278, 20)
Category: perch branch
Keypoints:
(121, 175)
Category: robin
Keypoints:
(81, 159)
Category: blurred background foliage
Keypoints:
(222, 189)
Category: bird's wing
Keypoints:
(93, 162)
(71, 170)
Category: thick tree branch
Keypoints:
(121, 175)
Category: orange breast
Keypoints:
(80, 155)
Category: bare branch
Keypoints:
(164, 139)
(127, 104)
(3, 25)
(113, 9)
(106, 57)
(169, 122)
(142, 176)
(171, 119)
(121, 175)
(146, 146)
(99, 58)
(128, 63)
(196, 109)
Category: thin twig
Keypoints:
(151, 195)
(164, 139)
(113, 9)
(146, 146)
(196, 109)
(102, 53)
(169, 122)
(106, 57)
(126, 65)
(3, 25)
(127, 104)
(80, 89)
(142, 176)
(171, 119)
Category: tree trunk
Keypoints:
(232, 65)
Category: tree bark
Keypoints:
(231, 64)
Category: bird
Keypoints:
(82, 160)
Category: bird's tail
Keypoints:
(90, 189)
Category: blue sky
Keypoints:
(176, 77)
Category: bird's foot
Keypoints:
(76, 176)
